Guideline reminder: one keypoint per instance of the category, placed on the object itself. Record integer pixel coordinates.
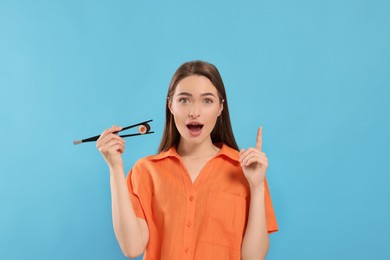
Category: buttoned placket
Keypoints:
(188, 249)
(191, 195)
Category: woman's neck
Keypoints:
(204, 149)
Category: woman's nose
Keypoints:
(194, 111)
(193, 116)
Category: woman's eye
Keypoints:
(183, 100)
(208, 101)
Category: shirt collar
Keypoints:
(225, 150)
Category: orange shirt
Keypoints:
(201, 220)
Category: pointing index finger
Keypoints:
(259, 138)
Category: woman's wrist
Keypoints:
(116, 169)
(258, 189)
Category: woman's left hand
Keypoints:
(254, 162)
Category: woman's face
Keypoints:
(195, 106)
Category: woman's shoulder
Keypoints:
(155, 158)
(141, 162)
(229, 152)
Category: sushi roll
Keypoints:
(143, 129)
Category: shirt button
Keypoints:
(189, 224)
(187, 249)
(191, 198)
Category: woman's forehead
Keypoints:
(195, 85)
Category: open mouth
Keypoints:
(194, 126)
(195, 129)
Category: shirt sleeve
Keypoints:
(272, 224)
(134, 197)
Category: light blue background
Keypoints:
(314, 74)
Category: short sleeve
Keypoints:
(272, 224)
(134, 197)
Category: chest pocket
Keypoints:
(224, 220)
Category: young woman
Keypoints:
(199, 197)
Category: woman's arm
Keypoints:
(254, 164)
(255, 243)
(131, 232)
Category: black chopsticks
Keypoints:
(143, 129)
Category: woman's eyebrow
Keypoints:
(190, 95)
(185, 94)
(207, 94)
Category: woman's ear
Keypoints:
(221, 107)
(169, 103)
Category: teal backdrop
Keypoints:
(314, 74)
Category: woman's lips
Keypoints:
(195, 129)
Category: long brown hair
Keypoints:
(222, 132)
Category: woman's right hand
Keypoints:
(111, 146)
